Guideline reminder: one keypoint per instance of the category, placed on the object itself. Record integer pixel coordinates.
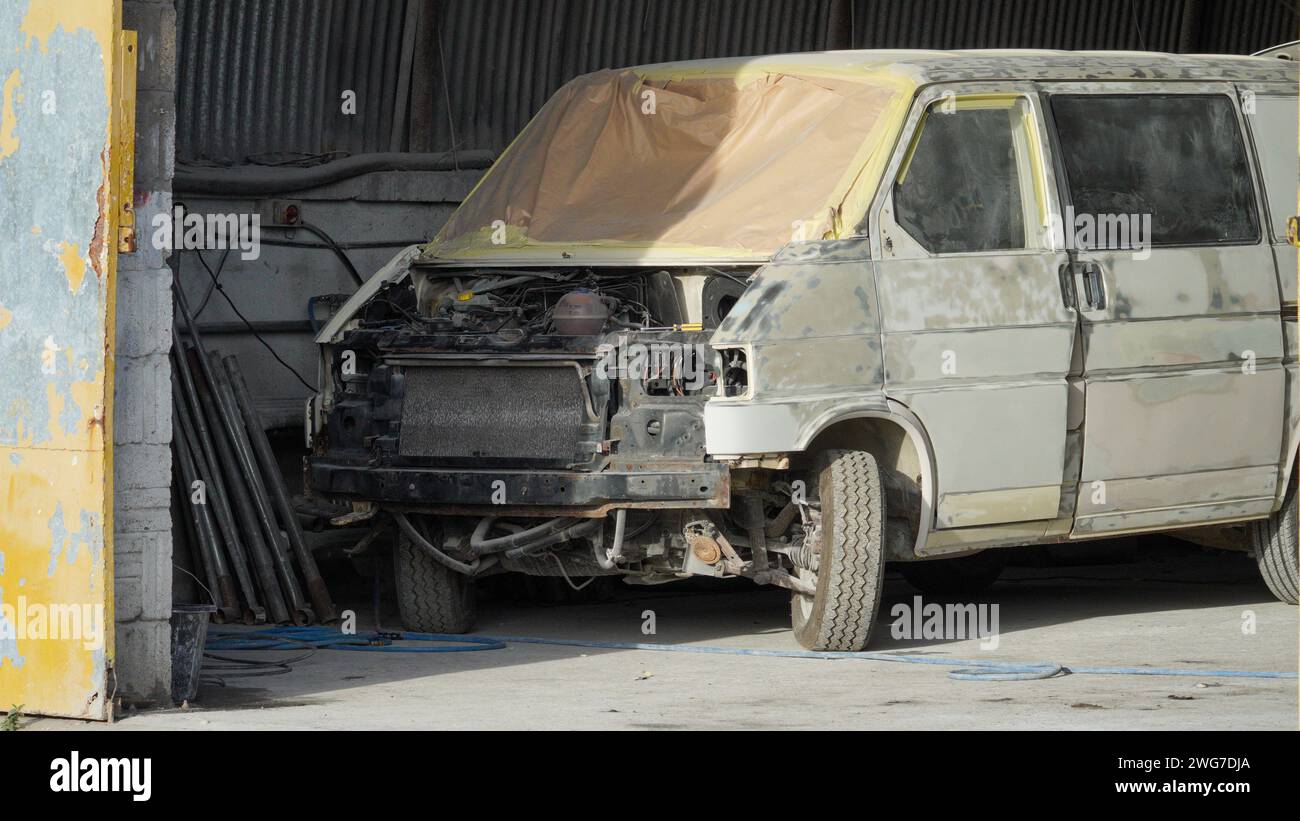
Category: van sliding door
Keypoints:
(1179, 306)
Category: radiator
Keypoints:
(495, 414)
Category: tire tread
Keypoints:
(1275, 543)
(843, 618)
(431, 598)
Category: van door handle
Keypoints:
(1094, 284)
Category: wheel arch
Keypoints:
(1288, 475)
(898, 441)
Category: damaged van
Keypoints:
(794, 318)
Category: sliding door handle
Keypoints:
(1094, 285)
(1083, 285)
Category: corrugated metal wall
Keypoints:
(1152, 25)
(260, 77)
(1242, 28)
(504, 58)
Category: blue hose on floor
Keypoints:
(295, 638)
(291, 638)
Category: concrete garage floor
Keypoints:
(1176, 607)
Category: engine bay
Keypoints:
(516, 305)
(561, 369)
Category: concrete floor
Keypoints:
(1175, 607)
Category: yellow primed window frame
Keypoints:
(1030, 165)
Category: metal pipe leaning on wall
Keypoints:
(209, 534)
(235, 458)
(214, 563)
(181, 473)
(320, 596)
(206, 404)
(301, 613)
(193, 428)
(239, 495)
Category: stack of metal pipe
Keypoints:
(238, 511)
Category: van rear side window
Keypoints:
(1179, 158)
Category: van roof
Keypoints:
(922, 66)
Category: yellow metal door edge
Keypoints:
(121, 172)
(67, 100)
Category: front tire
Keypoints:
(851, 562)
(1275, 543)
(432, 598)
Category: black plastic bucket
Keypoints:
(189, 633)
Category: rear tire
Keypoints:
(1275, 543)
(432, 598)
(962, 576)
(851, 563)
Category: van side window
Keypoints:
(964, 186)
(1178, 158)
(1274, 127)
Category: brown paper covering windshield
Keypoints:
(696, 162)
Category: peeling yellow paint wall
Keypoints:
(74, 265)
(8, 142)
(57, 279)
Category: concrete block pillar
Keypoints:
(142, 423)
